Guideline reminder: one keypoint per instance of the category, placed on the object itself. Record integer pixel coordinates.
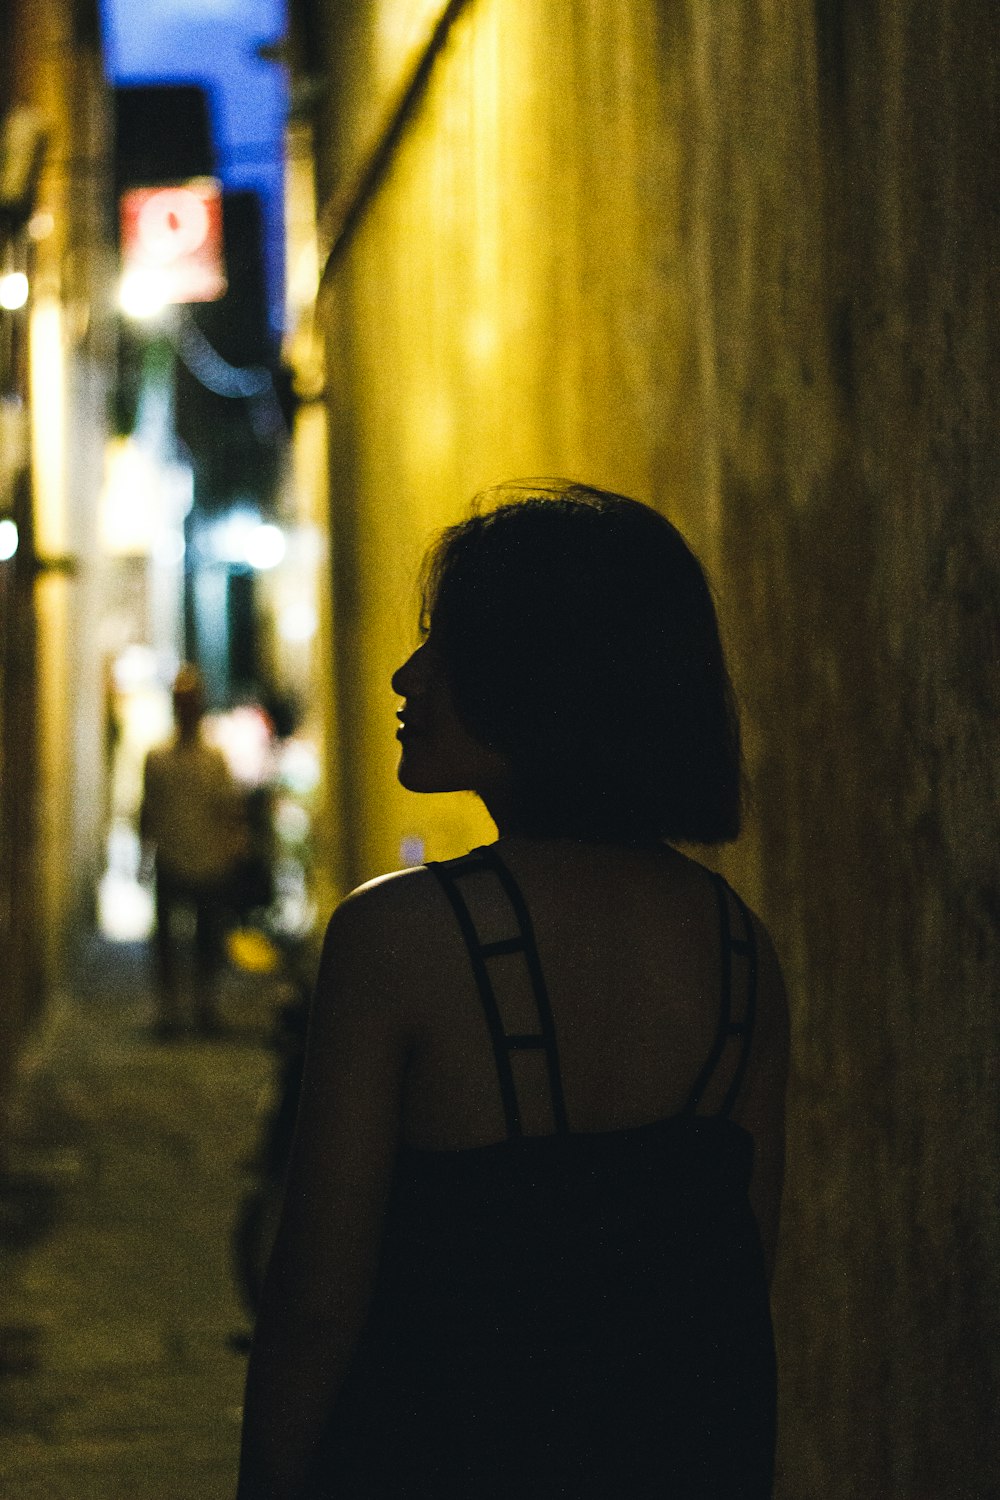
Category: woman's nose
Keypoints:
(405, 679)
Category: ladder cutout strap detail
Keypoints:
(513, 894)
(506, 945)
(728, 1028)
(479, 954)
(505, 1076)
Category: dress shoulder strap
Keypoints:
(737, 950)
(450, 877)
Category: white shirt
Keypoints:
(191, 811)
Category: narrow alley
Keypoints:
(290, 290)
(120, 1347)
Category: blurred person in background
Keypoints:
(193, 827)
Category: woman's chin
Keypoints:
(415, 777)
(408, 780)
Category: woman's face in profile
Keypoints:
(438, 754)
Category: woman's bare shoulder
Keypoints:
(397, 914)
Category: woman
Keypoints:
(533, 1202)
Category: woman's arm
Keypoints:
(320, 1277)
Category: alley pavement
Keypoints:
(122, 1333)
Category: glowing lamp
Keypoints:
(265, 547)
(143, 294)
(13, 290)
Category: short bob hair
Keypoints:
(579, 639)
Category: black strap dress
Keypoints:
(574, 1315)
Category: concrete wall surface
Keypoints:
(739, 260)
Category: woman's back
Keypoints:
(570, 1261)
(631, 951)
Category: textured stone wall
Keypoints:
(740, 260)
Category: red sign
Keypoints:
(172, 236)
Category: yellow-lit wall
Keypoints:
(532, 292)
(513, 304)
(738, 260)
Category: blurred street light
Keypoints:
(241, 539)
(41, 225)
(13, 290)
(8, 539)
(143, 295)
(265, 547)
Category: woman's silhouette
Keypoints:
(533, 1201)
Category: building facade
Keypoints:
(56, 358)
